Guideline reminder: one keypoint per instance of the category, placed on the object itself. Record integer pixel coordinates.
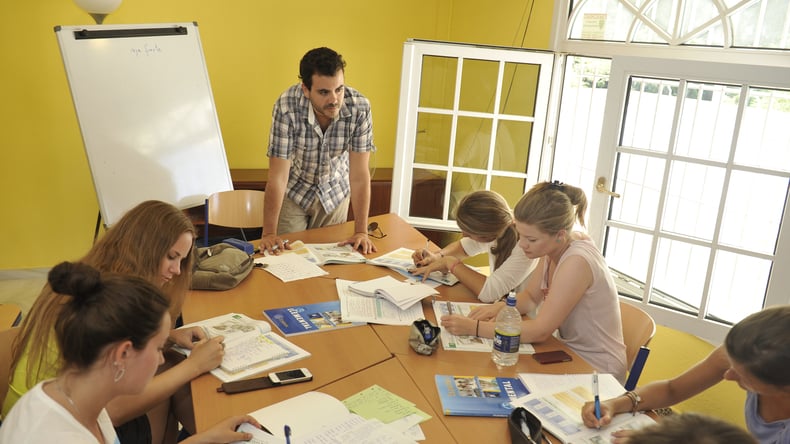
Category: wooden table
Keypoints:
(349, 360)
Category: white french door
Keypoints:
(699, 154)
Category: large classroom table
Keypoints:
(349, 360)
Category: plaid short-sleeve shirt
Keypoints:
(319, 160)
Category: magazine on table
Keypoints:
(400, 260)
(557, 401)
(325, 253)
(471, 342)
(309, 318)
(250, 346)
(478, 395)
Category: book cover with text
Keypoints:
(308, 318)
(478, 395)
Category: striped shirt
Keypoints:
(319, 160)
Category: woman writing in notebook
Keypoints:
(755, 355)
(571, 283)
(111, 331)
(486, 222)
(152, 241)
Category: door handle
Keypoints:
(600, 186)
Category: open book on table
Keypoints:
(315, 417)
(404, 294)
(467, 343)
(400, 260)
(357, 308)
(478, 395)
(557, 401)
(328, 253)
(250, 346)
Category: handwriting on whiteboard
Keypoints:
(146, 50)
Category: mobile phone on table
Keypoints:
(551, 357)
(291, 376)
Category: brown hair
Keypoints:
(102, 309)
(759, 343)
(487, 214)
(552, 207)
(691, 427)
(134, 246)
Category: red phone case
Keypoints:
(551, 357)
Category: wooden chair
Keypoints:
(638, 329)
(235, 209)
(7, 337)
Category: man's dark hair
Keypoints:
(322, 61)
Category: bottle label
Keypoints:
(506, 343)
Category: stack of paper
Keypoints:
(557, 401)
(290, 267)
(402, 294)
(357, 308)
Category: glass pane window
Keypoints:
(753, 211)
(701, 167)
(649, 112)
(707, 121)
(763, 139)
(473, 119)
(718, 23)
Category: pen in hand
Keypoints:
(449, 308)
(287, 434)
(597, 399)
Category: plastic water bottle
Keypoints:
(507, 334)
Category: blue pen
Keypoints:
(597, 398)
(287, 434)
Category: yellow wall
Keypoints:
(252, 49)
(672, 352)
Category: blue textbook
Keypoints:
(308, 318)
(478, 395)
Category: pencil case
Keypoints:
(424, 336)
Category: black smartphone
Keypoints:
(551, 357)
(246, 385)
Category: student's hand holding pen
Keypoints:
(273, 244)
(424, 256)
(589, 417)
(224, 431)
(207, 354)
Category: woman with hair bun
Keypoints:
(110, 331)
(152, 241)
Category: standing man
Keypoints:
(319, 148)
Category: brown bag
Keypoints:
(220, 267)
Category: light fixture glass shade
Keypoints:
(98, 6)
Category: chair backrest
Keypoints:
(7, 337)
(638, 330)
(236, 209)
